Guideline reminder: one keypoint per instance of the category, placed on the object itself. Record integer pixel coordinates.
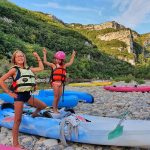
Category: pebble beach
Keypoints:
(106, 104)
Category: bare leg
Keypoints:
(17, 120)
(56, 97)
(59, 94)
(38, 104)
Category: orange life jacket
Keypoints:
(58, 74)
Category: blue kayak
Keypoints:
(82, 96)
(94, 130)
(66, 101)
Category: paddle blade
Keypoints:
(118, 131)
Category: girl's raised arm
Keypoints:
(71, 59)
(40, 67)
(45, 59)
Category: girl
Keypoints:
(58, 75)
(23, 84)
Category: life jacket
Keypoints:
(24, 81)
(58, 74)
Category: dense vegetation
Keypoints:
(108, 47)
(141, 46)
(31, 31)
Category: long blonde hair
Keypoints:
(14, 56)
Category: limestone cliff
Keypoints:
(122, 35)
(105, 25)
(118, 32)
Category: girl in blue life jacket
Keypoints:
(22, 91)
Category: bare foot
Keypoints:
(19, 147)
(36, 115)
(56, 111)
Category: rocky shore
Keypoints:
(110, 104)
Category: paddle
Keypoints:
(118, 131)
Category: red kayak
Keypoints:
(128, 88)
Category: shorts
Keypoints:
(23, 96)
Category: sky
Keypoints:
(134, 14)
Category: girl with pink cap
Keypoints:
(58, 75)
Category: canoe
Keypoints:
(94, 130)
(82, 96)
(90, 84)
(128, 88)
(67, 101)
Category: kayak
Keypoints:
(101, 83)
(4, 147)
(85, 84)
(66, 101)
(90, 84)
(91, 129)
(128, 88)
(82, 96)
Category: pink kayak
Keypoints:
(4, 147)
(128, 88)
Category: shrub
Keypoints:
(140, 81)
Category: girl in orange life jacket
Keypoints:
(58, 74)
(19, 60)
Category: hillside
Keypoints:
(111, 38)
(31, 31)
(119, 42)
(144, 41)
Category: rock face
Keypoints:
(6, 19)
(131, 61)
(121, 35)
(124, 34)
(105, 25)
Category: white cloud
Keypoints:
(66, 7)
(48, 5)
(121, 5)
(135, 13)
(74, 8)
